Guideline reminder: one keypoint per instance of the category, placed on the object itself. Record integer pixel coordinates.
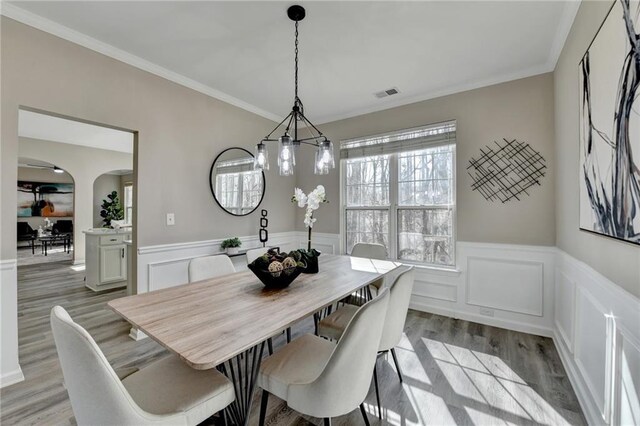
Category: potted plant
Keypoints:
(231, 245)
(311, 203)
(111, 209)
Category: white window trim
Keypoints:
(393, 214)
(129, 220)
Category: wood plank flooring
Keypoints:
(456, 372)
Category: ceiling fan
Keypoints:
(55, 169)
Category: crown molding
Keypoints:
(566, 21)
(18, 14)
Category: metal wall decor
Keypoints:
(264, 233)
(506, 171)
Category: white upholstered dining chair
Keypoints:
(334, 325)
(319, 378)
(202, 268)
(167, 392)
(255, 253)
(369, 251)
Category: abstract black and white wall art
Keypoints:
(610, 127)
(506, 170)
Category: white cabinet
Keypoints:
(106, 259)
(113, 264)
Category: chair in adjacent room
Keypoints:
(166, 392)
(319, 378)
(202, 268)
(334, 325)
(63, 227)
(26, 233)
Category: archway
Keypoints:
(119, 181)
(45, 212)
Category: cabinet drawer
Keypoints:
(108, 240)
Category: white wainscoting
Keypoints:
(540, 290)
(10, 371)
(166, 265)
(597, 333)
(508, 286)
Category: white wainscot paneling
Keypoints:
(565, 297)
(604, 368)
(627, 380)
(167, 265)
(590, 347)
(434, 290)
(10, 371)
(324, 243)
(509, 285)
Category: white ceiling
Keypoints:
(242, 52)
(46, 127)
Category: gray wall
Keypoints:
(180, 133)
(618, 261)
(521, 109)
(103, 186)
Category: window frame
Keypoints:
(394, 208)
(128, 217)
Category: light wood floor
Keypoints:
(456, 372)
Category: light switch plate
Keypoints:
(171, 219)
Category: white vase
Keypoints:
(232, 250)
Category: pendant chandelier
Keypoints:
(291, 139)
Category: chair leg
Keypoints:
(395, 361)
(327, 421)
(375, 382)
(263, 407)
(288, 334)
(364, 415)
(270, 345)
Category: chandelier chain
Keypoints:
(296, 64)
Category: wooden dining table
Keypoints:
(223, 322)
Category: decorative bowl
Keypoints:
(277, 279)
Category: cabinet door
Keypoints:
(113, 263)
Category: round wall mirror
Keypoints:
(235, 186)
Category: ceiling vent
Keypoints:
(388, 92)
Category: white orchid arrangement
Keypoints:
(311, 202)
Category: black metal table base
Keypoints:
(242, 370)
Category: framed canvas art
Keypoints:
(610, 127)
(42, 199)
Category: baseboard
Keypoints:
(11, 378)
(580, 389)
(481, 319)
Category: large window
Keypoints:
(399, 191)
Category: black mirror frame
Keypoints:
(264, 183)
